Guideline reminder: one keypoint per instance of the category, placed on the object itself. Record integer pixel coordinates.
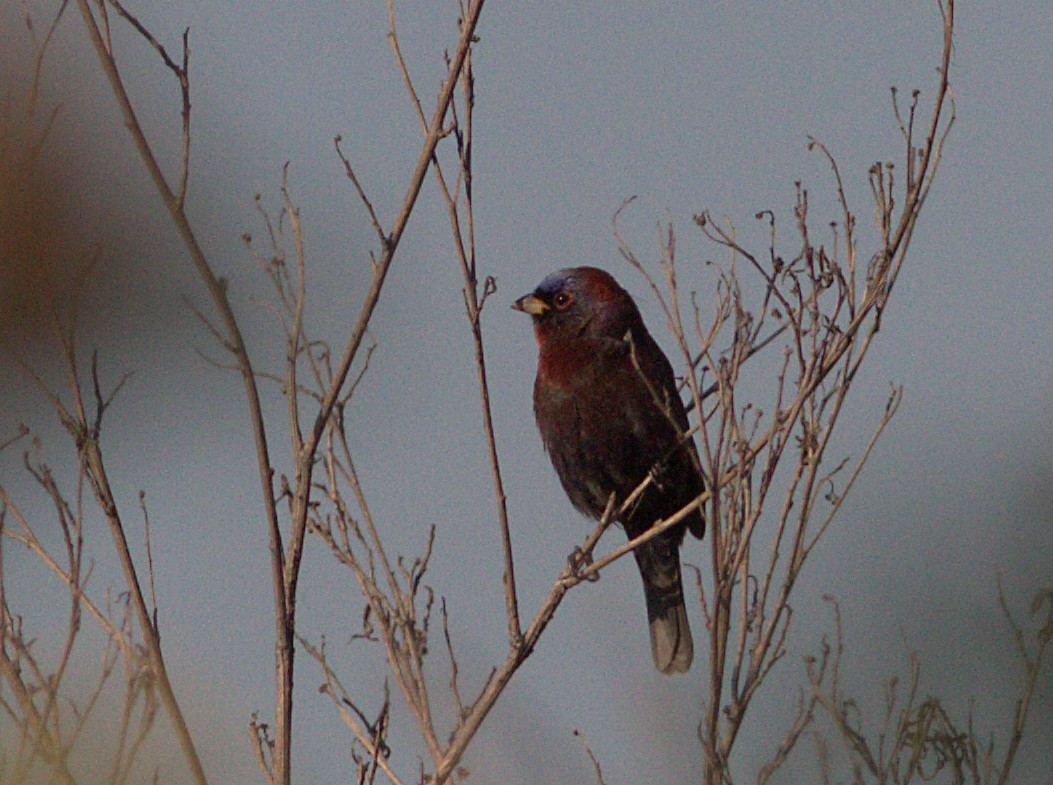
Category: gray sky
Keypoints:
(579, 106)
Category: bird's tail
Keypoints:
(671, 645)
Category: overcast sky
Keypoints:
(687, 106)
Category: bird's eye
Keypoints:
(562, 300)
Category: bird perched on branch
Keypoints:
(609, 413)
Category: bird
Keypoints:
(609, 414)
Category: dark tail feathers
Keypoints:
(671, 645)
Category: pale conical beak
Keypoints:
(532, 305)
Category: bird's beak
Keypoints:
(532, 305)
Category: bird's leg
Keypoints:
(580, 558)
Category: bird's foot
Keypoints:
(578, 561)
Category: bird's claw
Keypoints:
(579, 560)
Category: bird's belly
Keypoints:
(595, 448)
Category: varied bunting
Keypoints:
(609, 413)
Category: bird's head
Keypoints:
(576, 301)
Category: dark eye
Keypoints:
(562, 300)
